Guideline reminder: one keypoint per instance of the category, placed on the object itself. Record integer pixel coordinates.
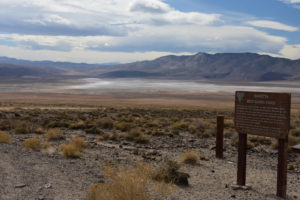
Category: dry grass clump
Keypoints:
(151, 124)
(209, 133)
(291, 142)
(6, 124)
(4, 137)
(54, 134)
(22, 128)
(128, 184)
(190, 157)
(179, 126)
(137, 136)
(197, 126)
(235, 141)
(74, 148)
(261, 140)
(124, 126)
(58, 124)
(168, 173)
(39, 130)
(79, 143)
(230, 133)
(78, 125)
(33, 143)
(142, 139)
(105, 123)
(295, 132)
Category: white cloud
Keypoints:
(292, 1)
(272, 25)
(194, 38)
(90, 17)
(171, 38)
(291, 51)
(79, 55)
(153, 6)
(71, 28)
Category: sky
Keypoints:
(109, 31)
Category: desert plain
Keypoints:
(157, 124)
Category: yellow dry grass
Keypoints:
(129, 184)
(4, 137)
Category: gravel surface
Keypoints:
(48, 175)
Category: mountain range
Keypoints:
(201, 66)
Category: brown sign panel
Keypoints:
(262, 113)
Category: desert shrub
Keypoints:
(22, 128)
(39, 130)
(133, 133)
(167, 171)
(151, 124)
(78, 125)
(79, 143)
(58, 124)
(295, 132)
(260, 140)
(142, 139)
(190, 157)
(137, 136)
(250, 144)
(291, 142)
(105, 123)
(4, 137)
(70, 151)
(291, 167)
(100, 138)
(230, 133)
(228, 123)
(124, 126)
(179, 126)
(128, 184)
(5, 124)
(54, 134)
(74, 148)
(209, 133)
(235, 141)
(156, 132)
(127, 119)
(197, 125)
(33, 143)
(94, 130)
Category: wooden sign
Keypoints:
(262, 113)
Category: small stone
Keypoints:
(226, 185)
(21, 185)
(241, 187)
(48, 185)
(213, 171)
(41, 197)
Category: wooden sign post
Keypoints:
(219, 137)
(263, 114)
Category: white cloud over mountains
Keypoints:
(272, 25)
(121, 27)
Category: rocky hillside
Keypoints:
(225, 66)
(201, 66)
